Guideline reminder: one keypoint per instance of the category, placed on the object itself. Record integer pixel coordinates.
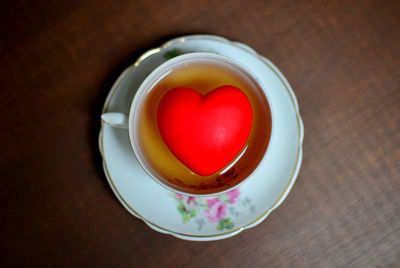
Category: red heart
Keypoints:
(205, 132)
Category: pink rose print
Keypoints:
(233, 195)
(180, 196)
(216, 211)
(191, 199)
(212, 201)
(209, 210)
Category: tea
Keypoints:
(202, 76)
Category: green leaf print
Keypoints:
(172, 53)
(225, 224)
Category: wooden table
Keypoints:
(58, 61)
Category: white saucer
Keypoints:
(204, 219)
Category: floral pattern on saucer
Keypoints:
(219, 210)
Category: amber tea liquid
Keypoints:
(202, 76)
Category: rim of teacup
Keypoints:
(155, 76)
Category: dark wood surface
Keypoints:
(59, 59)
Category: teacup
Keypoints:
(203, 73)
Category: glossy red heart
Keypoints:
(205, 132)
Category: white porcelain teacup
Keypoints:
(154, 155)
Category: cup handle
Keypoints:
(118, 120)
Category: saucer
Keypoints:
(212, 218)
